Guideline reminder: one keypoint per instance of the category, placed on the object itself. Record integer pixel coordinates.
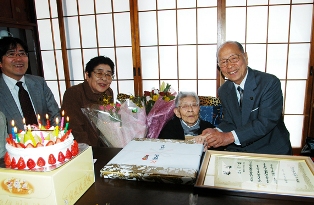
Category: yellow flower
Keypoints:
(155, 97)
(167, 99)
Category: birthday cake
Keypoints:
(39, 149)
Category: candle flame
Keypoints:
(57, 120)
(12, 123)
(62, 112)
(67, 118)
(47, 117)
(38, 117)
(23, 120)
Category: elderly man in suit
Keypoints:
(13, 65)
(252, 104)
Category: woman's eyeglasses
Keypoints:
(101, 75)
(187, 106)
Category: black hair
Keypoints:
(92, 63)
(8, 43)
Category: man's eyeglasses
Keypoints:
(187, 106)
(101, 75)
(14, 54)
(232, 59)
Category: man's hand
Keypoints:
(208, 131)
(218, 139)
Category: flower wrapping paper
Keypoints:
(117, 132)
(158, 116)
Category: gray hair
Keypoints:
(230, 42)
(186, 94)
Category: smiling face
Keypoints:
(14, 67)
(99, 84)
(233, 71)
(188, 110)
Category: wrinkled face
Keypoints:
(232, 63)
(188, 110)
(16, 65)
(100, 78)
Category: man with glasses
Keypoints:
(186, 121)
(99, 73)
(22, 96)
(252, 105)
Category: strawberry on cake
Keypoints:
(36, 148)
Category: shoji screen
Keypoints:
(92, 28)
(178, 42)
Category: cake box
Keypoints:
(156, 160)
(63, 185)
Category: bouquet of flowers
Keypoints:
(159, 108)
(118, 123)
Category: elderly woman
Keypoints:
(186, 121)
(99, 73)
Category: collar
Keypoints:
(190, 130)
(197, 123)
(243, 81)
(11, 83)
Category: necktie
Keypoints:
(240, 90)
(26, 105)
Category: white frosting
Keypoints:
(44, 152)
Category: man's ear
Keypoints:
(246, 58)
(177, 112)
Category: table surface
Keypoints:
(118, 191)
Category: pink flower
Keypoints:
(108, 107)
(101, 107)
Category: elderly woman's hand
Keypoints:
(200, 139)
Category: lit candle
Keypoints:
(16, 135)
(62, 120)
(25, 128)
(39, 122)
(48, 122)
(13, 133)
(66, 125)
(38, 117)
(57, 121)
(56, 130)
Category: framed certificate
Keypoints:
(256, 175)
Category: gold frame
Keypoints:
(213, 178)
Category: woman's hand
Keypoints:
(200, 139)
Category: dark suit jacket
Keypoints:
(259, 127)
(42, 98)
(173, 129)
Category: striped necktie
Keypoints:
(240, 90)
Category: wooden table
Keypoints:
(119, 192)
